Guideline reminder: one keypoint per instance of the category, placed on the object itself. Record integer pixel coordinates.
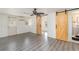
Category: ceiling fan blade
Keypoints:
(32, 15)
(43, 14)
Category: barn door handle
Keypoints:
(40, 25)
(56, 25)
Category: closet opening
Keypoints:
(75, 26)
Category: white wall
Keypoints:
(51, 24)
(69, 26)
(3, 26)
(21, 26)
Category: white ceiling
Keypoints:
(27, 11)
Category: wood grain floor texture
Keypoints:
(33, 42)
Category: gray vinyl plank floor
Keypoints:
(33, 42)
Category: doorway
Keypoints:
(44, 25)
(75, 26)
(62, 26)
(41, 25)
(38, 25)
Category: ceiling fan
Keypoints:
(38, 13)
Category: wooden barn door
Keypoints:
(62, 26)
(38, 25)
